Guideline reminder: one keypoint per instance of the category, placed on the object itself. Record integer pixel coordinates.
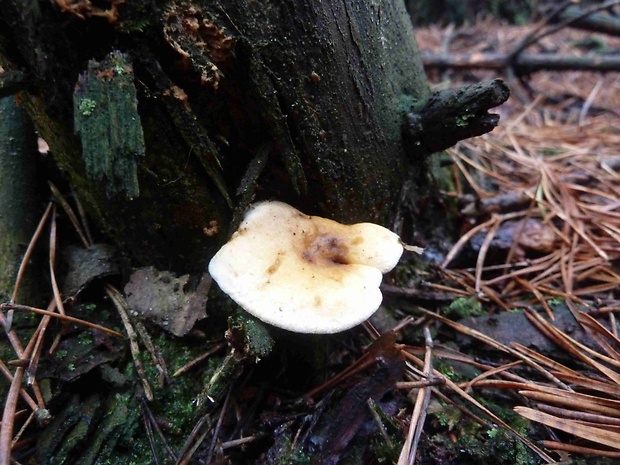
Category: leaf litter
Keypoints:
(539, 201)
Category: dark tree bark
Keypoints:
(19, 203)
(300, 101)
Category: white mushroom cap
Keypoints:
(305, 273)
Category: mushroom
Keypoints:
(305, 273)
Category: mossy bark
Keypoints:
(19, 202)
(316, 91)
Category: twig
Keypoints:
(525, 63)
(424, 394)
(218, 425)
(240, 441)
(533, 36)
(488, 373)
(26, 260)
(149, 418)
(9, 376)
(195, 438)
(52, 259)
(588, 103)
(452, 385)
(157, 359)
(8, 417)
(66, 318)
(464, 239)
(70, 214)
(23, 428)
(555, 445)
(484, 248)
(594, 22)
(416, 425)
(39, 335)
(151, 439)
(121, 307)
(372, 408)
(192, 363)
(566, 22)
(82, 213)
(420, 384)
(10, 406)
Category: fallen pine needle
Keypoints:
(67, 318)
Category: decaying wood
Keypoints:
(321, 88)
(525, 63)
(595, 22)
(519, 62)
(453, 115)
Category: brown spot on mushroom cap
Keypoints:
(326, 249)
(274, 266)
(305, 273)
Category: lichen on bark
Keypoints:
(105, 115)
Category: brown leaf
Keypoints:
(86, 265)
(174, 303)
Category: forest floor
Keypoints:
(504, 347)
(539, 206)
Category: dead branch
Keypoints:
(525, 63)
(542, 30)
(453, 115)
(595, 22)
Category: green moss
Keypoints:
(176, 402)
(446, 415)
(446, 369)
(129, 27)
(85, 338)
(112, 139)
(258, 341)
(497, 445)
(556, 303)
(464, 307)
(290, 456)
(385, 452)
(463, 120)
(88, 307)
(87, 106)
(476, 444)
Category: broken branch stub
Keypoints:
(453, 115)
